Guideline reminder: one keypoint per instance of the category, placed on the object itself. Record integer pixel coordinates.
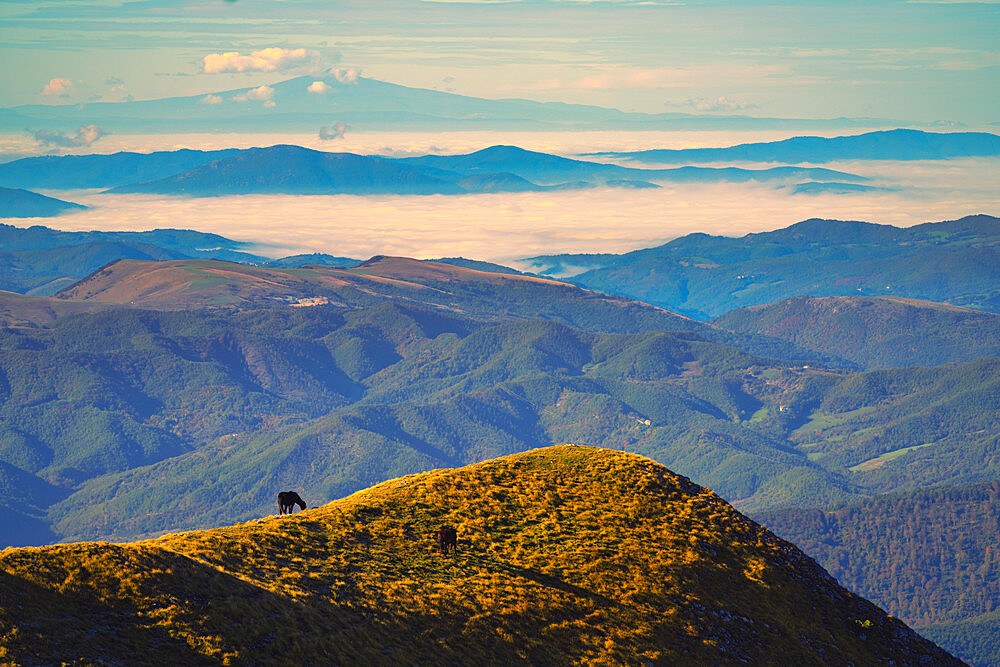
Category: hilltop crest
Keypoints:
(566, 555)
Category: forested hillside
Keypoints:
(929, 557)
(874, 332)
(892, 549)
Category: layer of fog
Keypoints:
(502, 227)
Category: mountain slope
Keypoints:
(896, 144)
(893, 548)
(332, 401)
(42, 261)
(184, 285)
(296, 170)
(18, 310)
(479, 294)
(549, 169)
(956, 261)
(568, 555)
(928, 557)
(18, 203)
(874, 332)
(366, 105)
(70, 172)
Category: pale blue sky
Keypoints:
(914, 61)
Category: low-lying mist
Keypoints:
(503, 227)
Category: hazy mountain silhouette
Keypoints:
(899, 144)
(368, 104)
(19, 203)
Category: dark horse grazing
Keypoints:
(287, 500)
(447, 538)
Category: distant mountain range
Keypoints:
(17, 203)
(815, 188)
(697, 275)
(899, 144)
(297, 170)
(367, 104)
(77, 172)
(704, 276)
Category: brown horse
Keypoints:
(447, 538)
(287, 500)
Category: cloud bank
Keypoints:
(58, 86)
(503, 227)
(721, 103)
(335, 131)
(346, 75)
(263, 94)
(85, 136)
(266, 60)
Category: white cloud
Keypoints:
(258, 94)
(346, 75)
(211, 99)
(58, 86)
(85, 136)
(318, 87)
(266, 60)
(721, 103)
(335, 131)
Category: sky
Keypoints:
(913, 60)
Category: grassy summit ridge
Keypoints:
(566, 555)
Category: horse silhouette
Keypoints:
(287, 500)
(447, 538)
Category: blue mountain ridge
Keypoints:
(19, 203)
(298, 170)
(703, 276)
(898, 144)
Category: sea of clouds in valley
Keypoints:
(503, 227)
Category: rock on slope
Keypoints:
(566, 555)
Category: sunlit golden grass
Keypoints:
(565, 555)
